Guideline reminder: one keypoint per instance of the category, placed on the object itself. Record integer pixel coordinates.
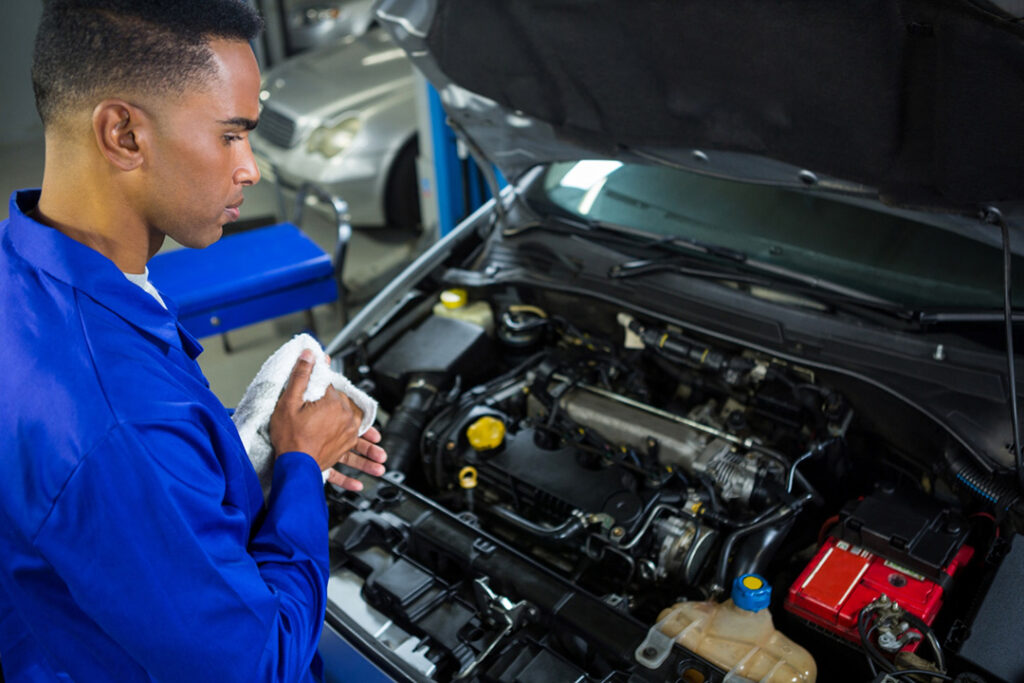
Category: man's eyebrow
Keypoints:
(240, 122)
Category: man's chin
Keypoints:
(213, 237)
(203, 239)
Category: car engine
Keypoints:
(563, 472)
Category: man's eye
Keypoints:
(232, 137)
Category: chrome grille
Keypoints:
(276, 128)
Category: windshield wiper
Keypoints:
(990, 315)
(691, 258)
(679, 263)
(764, 275)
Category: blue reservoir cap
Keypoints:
(751, 592)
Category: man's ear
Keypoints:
(120, 129)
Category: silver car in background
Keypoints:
(343, 117)
(313, 23)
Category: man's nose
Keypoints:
(248, 172)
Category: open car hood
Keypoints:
(913, 103)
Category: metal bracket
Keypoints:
(503, 611)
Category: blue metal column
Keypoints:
(450, 193)
(459, 184)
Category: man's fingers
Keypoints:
(338, 479)
(370, 450)
(372, 435)
(353, 459)
(299, 378)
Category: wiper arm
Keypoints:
(993, 315)
(738, 268)
(773, 277)
(677, 264)
(625, 233)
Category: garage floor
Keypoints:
(374, 256)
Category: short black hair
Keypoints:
(101, 48)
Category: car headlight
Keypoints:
(333, 140)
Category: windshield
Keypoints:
(891, 257)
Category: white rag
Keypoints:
(252, 416)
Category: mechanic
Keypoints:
(135, 544)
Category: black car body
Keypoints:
(745, 312)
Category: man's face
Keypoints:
(201, 160)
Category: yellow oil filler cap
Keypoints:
(467, 477)
(454, 298)
(486, 433)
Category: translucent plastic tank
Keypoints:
(737, 635)
(454, 303)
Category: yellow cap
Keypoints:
(486, 433)
(467, 477)
(454, 298)
(752, 582)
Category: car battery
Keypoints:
(844, 578)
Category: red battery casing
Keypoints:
(843, 578)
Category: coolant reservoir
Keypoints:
(736, 635)
(455, 303)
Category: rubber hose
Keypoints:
(401, 436)
(731, 539)
(991, 487)
(558, 535)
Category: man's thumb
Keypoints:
(300, 377)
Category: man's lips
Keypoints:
(233, 211)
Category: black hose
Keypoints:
(753, 554)
(811, 452)
(780, 459)
(705, 481)
(558, 535)
(401, 437)
(760, 523)
(816, 497)
(997, 489)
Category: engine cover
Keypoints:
(548, 480)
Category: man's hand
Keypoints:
(325, 429)
(366, 456)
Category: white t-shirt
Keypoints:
(142, 280)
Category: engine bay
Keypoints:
(570, 483)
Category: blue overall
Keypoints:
(134, 541)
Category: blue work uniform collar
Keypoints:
(93, 274)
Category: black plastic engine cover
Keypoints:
(916, 532)
(439, 346)
(551, 480)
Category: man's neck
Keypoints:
(78, 202)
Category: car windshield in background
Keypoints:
(894, 258)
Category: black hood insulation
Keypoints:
(921, 99)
